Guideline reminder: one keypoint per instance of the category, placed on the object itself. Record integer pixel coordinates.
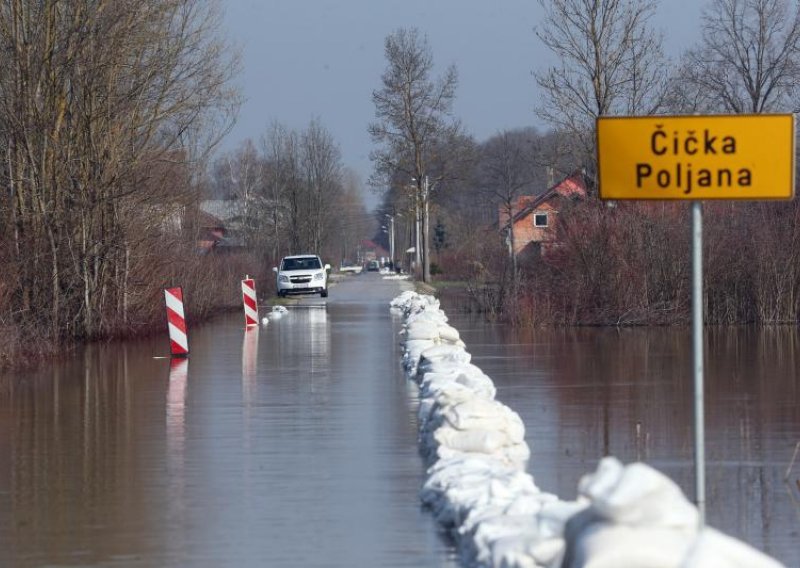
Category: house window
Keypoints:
(540, 220)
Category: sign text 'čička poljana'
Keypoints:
(694, 157)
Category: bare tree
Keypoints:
(351, 222)
(507, 170)
(97, 103)
(322, 167)
(414, 120)
(274, 145)
(287, 192)
(242, 174)
(748, 60)
(610, 62)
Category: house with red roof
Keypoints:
(534, 217)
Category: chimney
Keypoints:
(551, 181)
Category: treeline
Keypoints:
(616, 263)
(109, 113)
(293, 195)
(106, 110)
(630, 264)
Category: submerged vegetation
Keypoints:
(630, 264)
(110, 114)
(589, 262)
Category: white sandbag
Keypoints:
(554, 515)
(467, 376)
(486, 534)
(418, 345)
(527, 551)
(422, 330)
(427, 317)
(712, 549)
(539, 545)
(403, 299)
(480, 414)
(514, 456)
(432, 410)
(444, 473)
(501, 439)
(637, 495)
(479, 383)
(413, 352)
(447, 392)
(607, 545)
(418, 313)
(431, 384)
(455, 487)
(442, 358)
(469, 370)
(449, 333)
(488, 514)
(474, 441)
(438, 396)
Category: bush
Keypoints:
(631, 265)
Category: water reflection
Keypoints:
(176, 443)
(176, 406)
(249, 364)
(586, 393)
(320, 336)
(74, 466)
(232, 458)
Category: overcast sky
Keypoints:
(305, 58)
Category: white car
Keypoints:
(302, 274)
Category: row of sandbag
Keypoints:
(477, 486)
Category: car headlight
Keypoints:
(319, 276)
(283, 278)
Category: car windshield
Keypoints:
(302, 263)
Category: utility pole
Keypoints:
(426, 259)
(391, 242)
(417, 214)
(391, 237)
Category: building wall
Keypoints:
(525, 232)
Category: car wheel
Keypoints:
(324, 294)
(281, 294)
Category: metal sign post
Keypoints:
(694, 158)
(697, 351)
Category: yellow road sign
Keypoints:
(696, 157)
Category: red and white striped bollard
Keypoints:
(176, 322)
(250, 302)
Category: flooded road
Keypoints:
(585, 393)
(296, 445)
(293, 445)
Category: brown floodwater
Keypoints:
(296, 445)
(293, 445)
(584, 393)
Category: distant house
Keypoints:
(533, 217)
(369, 250)
(227, 211)
(219, 224)
(211, 231)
